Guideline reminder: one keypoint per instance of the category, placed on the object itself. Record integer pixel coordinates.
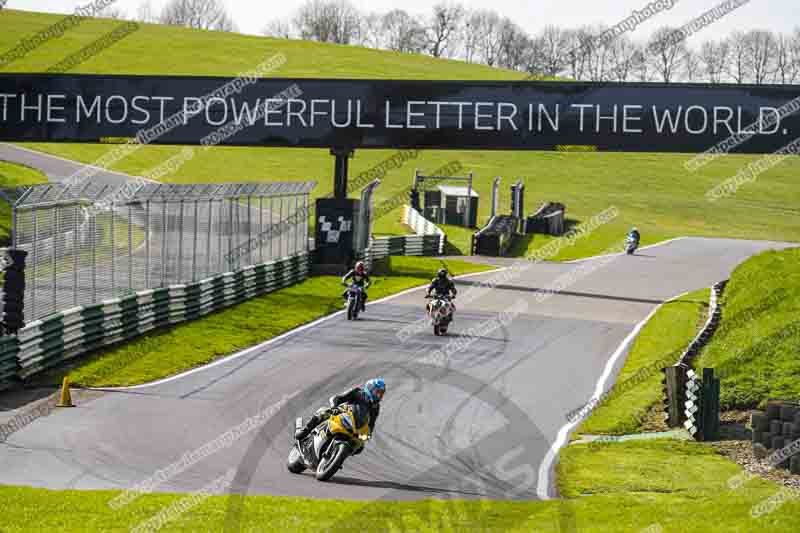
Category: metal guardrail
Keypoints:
(429, 241)
(48, 342)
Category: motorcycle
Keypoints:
(440, 313)
(631, 245)
(324, 450)
(354, 295)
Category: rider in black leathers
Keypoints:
(442, 285)
(369, 396)
(360, 278)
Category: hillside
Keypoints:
(652, 191)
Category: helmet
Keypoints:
(360, 267)
(374, 389)
(442, 273)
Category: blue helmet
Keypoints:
(374, 389)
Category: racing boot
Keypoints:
(302, 433)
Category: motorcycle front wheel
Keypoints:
(332, 462)
(352, 308)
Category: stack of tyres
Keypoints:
(778, 428)
(14, 288)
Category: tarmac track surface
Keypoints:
(464, 416)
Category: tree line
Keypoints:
(449, 30)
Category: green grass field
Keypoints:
(756, 350)
(652, 191)
(13, 175)
(167, 352)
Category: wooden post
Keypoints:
(675, 394)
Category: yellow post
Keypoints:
(66, 397)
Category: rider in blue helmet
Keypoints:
(369, 396)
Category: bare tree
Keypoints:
(579, 41)
(786, 65)
(146, 13)
(667, 49)
(470, 36)
(642, 70)
(403, 33)
(278, 28)
(515, 46)
(737, 66)
(692, 66)
(488, 26)
(553, 44)
(443, 27)
(623, 54)
(335, 21)
(371, 34)
(760, 50)
(200, 14)
(713, 57)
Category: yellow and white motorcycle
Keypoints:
(324, 450)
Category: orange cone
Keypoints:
(66, 397)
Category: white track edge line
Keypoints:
(543, 483)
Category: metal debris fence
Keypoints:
(90, 243)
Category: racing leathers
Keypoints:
(354, 396)
(361, 280)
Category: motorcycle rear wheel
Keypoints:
(295, 464)
(331, 464)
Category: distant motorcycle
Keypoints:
(328, 445)
(440, 313)
(631, 244)
(355, 295)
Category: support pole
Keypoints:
(340, 171)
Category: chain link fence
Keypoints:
(94, 242)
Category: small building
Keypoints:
(451, 204)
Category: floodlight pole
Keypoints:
(340, 171)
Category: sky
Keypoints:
(532, 15)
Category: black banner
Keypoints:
(398, 114)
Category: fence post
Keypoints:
(248, 242)
(208, 236)
(34, 216)
(93, 225)
(130, 247)
(56, 234)
(280, 221)
(164, 236)
(147, 238)
(710, 406)
(113, 251)
(180, 242)
(674, 388)
(75, 254)
(260, 228)
(305, 220)
(196, 220)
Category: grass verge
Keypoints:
(166, 352)
(638, 386)
(755, 351)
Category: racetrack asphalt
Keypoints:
(479, 413)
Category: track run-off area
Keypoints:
(480, 413)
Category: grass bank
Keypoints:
(756, 350)
(167, 352)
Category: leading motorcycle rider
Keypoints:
(634, 236)
(361, 279)
(369, 396)
(442, 285)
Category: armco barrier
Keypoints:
(50, 341)
(428, 241)
(424, 227)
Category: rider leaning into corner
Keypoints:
(361, 279)
(634, 236)
(442, 285)
(369, 396)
